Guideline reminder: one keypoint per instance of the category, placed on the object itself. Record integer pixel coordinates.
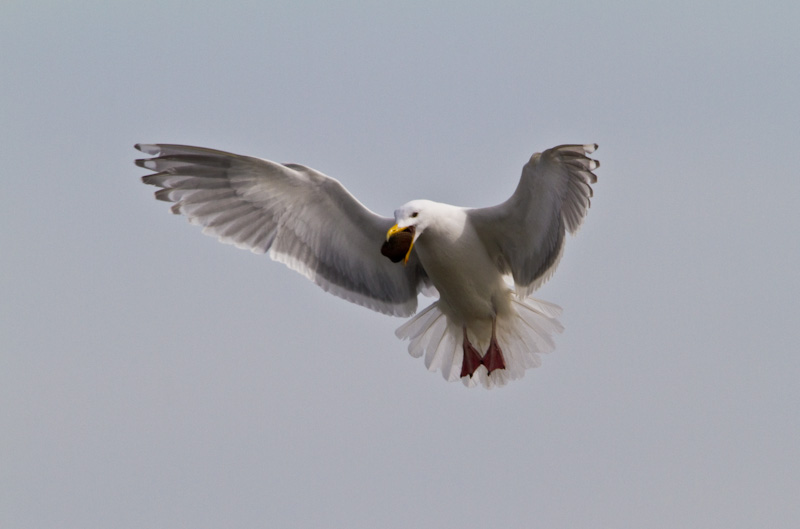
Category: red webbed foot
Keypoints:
(493, 359)
(472, 359)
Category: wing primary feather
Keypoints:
(552, 198)
(302, 217)
(148, 148)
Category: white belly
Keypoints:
(471, 289)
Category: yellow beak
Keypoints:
(396, 229)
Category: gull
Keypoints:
(484, 263)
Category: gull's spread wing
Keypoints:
(525, 234)
(305, 220)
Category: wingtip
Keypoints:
(164, 195)
(589, 148)
(146, 163)
(148, 148)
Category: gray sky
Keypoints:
(152, 377)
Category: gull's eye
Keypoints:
(414, 215)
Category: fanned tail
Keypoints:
(523, 335)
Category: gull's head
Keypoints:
(410, 219)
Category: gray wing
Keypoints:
(525, 234)
(303, 218)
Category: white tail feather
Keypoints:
(523, 335)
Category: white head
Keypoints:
(412, 217)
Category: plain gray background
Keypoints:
(152, 377)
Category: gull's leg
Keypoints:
(493, 359)
(472, 359)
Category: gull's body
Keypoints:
(459, 266)
(470, 256)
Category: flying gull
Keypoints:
(484, 263)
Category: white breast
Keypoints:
(471, 287)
